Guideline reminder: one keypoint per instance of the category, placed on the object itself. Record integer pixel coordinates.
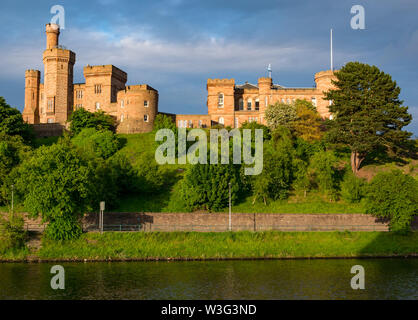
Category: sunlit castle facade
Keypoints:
(53, 101)
(135, 106)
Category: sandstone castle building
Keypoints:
(135, 106)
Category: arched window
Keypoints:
(313, 101)
(257, 104)
(122, 104)
(241, 104)
(145, 118)
(220, 100)
(249, 104)
(97, 105)
(221, 120)
(121, 118)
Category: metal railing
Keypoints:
(147, 227)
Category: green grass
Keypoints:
(195, 245)
(313, 203)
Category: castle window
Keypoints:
(97, 88)
(266, 101)
(282, 101)
(200, 123)
(190, 124)
(220, 100)
(241, 104)
(313, 100)
(79, 94)
(121, 104)
(121, 118)
(288, 101)
(50, 120)
(236, 123)
(221, 120)
(145, 118)
(50, 104)
(145, 103)
(330, 102)
(97, 105)
(257, 104)
(249, 104)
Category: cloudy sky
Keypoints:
(175, 45)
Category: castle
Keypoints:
(135, 106)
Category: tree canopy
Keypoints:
(11, 122)
(81, 119)
(367, 112)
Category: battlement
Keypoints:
(221, 82)
(33, 73)
(105, 70)
(137, 88)
(326, 73)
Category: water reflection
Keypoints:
(273, 279)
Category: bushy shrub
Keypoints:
(12, 124)
(102, 143)
(58, 183)
(280, 114)
(12, 152)
(352, 188)
(393, 195)
(205, 186)
(81, 119)
(63, 228)
(12, 234)
(323, 167)
(275, 180)
(255, 125)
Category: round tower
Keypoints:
(323, 84)
(137, 108)
(52, 31)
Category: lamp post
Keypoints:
(230, 218)
(13, 187)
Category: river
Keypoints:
(261, 279)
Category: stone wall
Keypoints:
(240, 221)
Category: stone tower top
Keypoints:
(52, 31)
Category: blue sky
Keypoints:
(175, 45)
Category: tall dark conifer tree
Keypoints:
(367, 112)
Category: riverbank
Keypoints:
(137, 246)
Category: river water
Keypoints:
(261, 279)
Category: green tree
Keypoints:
(323, 167)
(308, 122)
(352, 188)
(280, 114)
(81, 119)
(12, 152)
(101, 143)
(367, 112)
(393, 195)
(163, 121)
(205, 186)
(57, 183)
(275, 179)
(255, 125)
(11, 122)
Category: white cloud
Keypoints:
(139, 52)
